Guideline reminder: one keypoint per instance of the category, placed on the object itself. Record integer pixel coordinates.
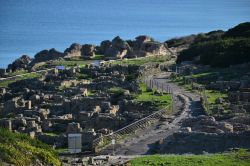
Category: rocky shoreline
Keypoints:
(118, 48)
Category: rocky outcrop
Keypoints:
(146, 46)
(47, 55)
(88, 50)
(118, 48)
(78, 50)
(20, 63)
(104, 47)
(73, 51)
(140, 40)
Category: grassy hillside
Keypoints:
(227, 49)
(239, 158)
(20, 149)
(143, 60)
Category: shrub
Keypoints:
(218, 49)
(220, 53)
(20, 149)
(241, 30)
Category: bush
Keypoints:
(221, 53)
(218, 49)
(20, 149)
(241, 30)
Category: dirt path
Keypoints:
(143, 141)
(194, 99)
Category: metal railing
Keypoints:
(104, 141)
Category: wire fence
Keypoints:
(188, 79)
(104, 141)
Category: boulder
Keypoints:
(118, 48)
(73, 51)
(88, 50)
(47, 55)
(153, 48)
(104, 46)
(146, 46)
(140, 40)
(20, 63)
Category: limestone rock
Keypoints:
(47, 55)
(104, 46)
(118, 48)
(20, 63)
(88, 50)
(73, 51)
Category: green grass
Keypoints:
(17, 72)
(61, 150)
(116, 90)
(98, 57)
(199, 75)
(225, 73)
(161, 101)
(51, 134)
(213, 95)
(20, 149)
(5, 83)
(142, 61)
(70, 63)
(240, 158)
(76, 61)
(83, 76)
(180, 81)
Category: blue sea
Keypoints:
(28, 26)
